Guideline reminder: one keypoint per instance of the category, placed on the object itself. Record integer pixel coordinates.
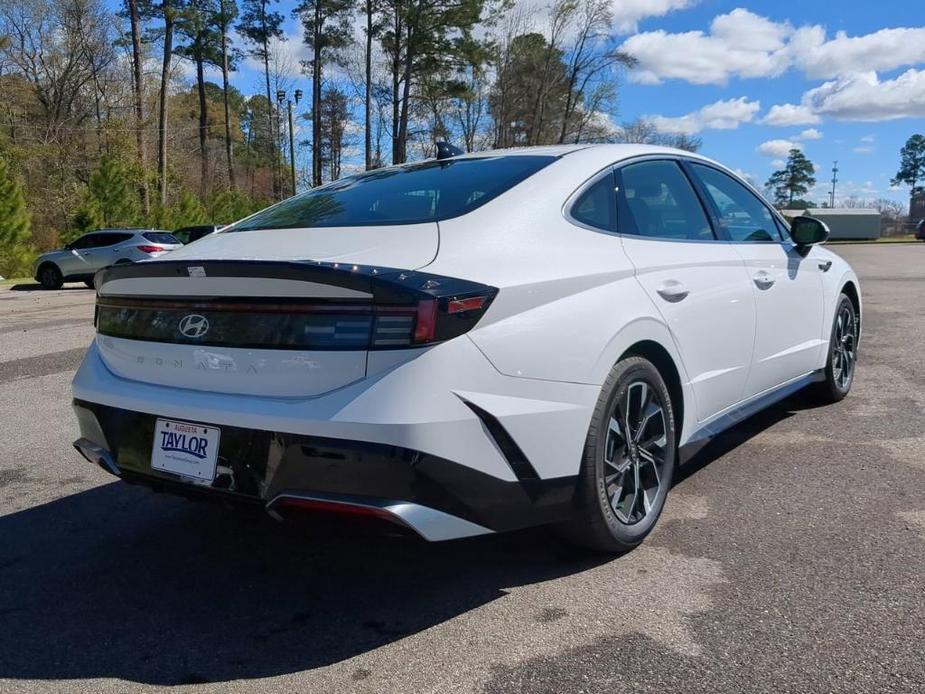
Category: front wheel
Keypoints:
(843, 353)
(628, 462)
(50, 277)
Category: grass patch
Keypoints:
(16, 280)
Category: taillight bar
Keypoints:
(404, 308)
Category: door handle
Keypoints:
(763, 280)
(672, 291)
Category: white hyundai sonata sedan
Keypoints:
(468, 345)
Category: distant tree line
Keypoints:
(111, 119)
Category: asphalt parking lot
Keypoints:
(791, 556)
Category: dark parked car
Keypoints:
(194, 233)
(920, 230)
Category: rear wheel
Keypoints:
(628, 462)
(50, 277)
(843, 353)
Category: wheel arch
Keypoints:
(850, 290)
(663, 361)
(46, 263)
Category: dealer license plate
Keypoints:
(185, 449)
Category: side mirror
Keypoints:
(807, 231)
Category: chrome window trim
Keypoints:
(786, 243)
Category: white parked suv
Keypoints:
(468, 345)
(79, 260)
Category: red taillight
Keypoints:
(425, 327)
(470, 304)
(149, 249)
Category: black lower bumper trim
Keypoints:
(255, 466)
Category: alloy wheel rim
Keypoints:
(844, 349)
(635, 452)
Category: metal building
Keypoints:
(844, 222)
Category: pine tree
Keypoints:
(328, 29)
(15, 251)
(231, 205)
(111, 199)
(258, 25)
(911, 165)
(794, 180)
(186, 211)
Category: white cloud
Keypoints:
(786, 115)
(186, 70)
(744, 44)
(868, 138)
(864, 97)
(809, 134)
(721, 115)
(746, 176)
(625, 14)
(885, 49)
(285, 56)
(628, 13)
(778, 163)
(778, 148)
(740, 44)
(863, 149)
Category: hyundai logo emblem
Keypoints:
(194, 325)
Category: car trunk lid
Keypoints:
(405, 246)
(270, 328)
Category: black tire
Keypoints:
(843, 350)
(50, 276)
(602, 522)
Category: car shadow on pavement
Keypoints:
(36, 287)
(743, 431)
(120, 582)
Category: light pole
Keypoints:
(834, 181)
(298, 97)
(280, 98)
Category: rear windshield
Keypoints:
(161, 237)
(425, 192)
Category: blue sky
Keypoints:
(841, 81)
(859, 119)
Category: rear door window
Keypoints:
(656, 200)
(88, 241)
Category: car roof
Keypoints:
(610, 151)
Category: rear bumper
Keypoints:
(437, 498)
(441, 438)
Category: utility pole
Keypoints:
(834, 181)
